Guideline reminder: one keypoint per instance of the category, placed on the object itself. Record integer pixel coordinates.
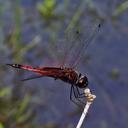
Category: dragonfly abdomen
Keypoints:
(25, 67)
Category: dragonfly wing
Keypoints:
(83, 43)
(77, 41)
(32, 77)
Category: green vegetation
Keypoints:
(14, 112)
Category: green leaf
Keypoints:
(5, 91)
(1, 125)
(47, 8)
(24, 117)
(24, 103)
(49, 4)
(120, 9)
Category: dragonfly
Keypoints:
(64, 73)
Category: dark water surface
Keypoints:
(106, 68)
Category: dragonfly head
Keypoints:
(82, 82)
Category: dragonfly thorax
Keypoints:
(82, 81)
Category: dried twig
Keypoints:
(90, 98)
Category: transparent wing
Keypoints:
(72, 44)
(78, 38)
(31, 77)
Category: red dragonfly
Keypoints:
(66, 74)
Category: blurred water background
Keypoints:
(33, 32)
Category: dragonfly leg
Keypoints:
(76, 94)
(80, 95)
(71, 95)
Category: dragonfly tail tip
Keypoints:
(9, 64)
(14, 65)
